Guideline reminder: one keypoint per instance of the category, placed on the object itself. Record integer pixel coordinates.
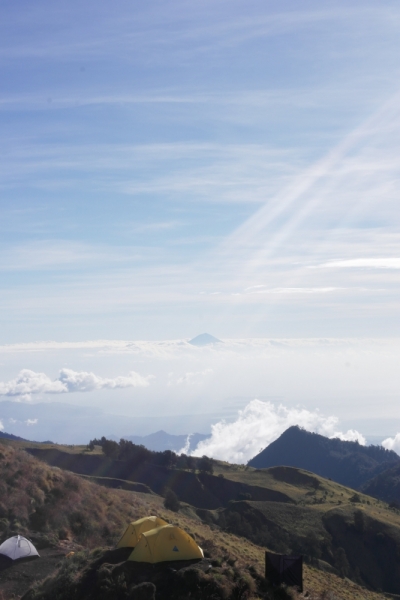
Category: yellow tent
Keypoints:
(134, 529)
(165, 543)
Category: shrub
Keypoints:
(355, 498)
(341, 562)
(191, 463)
(4, 524)
(359, 523)
(244, 496)
(111, 449)
(171, 501)
(205, 465)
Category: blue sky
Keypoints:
(174, 168)
(158, 160)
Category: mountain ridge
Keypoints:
(161, 440)
(348, 463)
(10, 436)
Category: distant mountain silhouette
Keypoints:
(348, 463)
(161, 440)
(10, 436)
(204, 339)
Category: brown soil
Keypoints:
(18, 577)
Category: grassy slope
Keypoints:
(64, 447)
(302, 486)
(324, 522)
(29, 486)
(308, 490)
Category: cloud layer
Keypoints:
(30, 382)
(259, 424)
(195, 387)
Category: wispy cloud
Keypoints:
(29, 383)
(206, 153)
(192, 378)
(156, 226)
(217, 173)
(293, 290)
(316, 186)
(66, 255)
(30, 422)
(144, 37)
(362, 263)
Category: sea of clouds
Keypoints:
(246, 392)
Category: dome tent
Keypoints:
(167, 543)
(17, 548)
(132, 533)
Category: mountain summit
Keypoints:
(348, 463)
(204, 339)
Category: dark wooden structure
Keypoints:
(280, 568)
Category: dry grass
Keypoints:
(316, 493)
(72, 449)
(36, 497)
(243, 554)
(312, 490)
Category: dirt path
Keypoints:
(17, 578)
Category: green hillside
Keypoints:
(338, 529)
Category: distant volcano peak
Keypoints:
(204, 339)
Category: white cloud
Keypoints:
(259, 424)
(193, 377)
(366, 263)
(86, 382)
(392, 443)
(29, 382)
(1, 426)
(296, 290)
(351, 435)
(31, 422)
(185, 449)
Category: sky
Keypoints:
(169, 169)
